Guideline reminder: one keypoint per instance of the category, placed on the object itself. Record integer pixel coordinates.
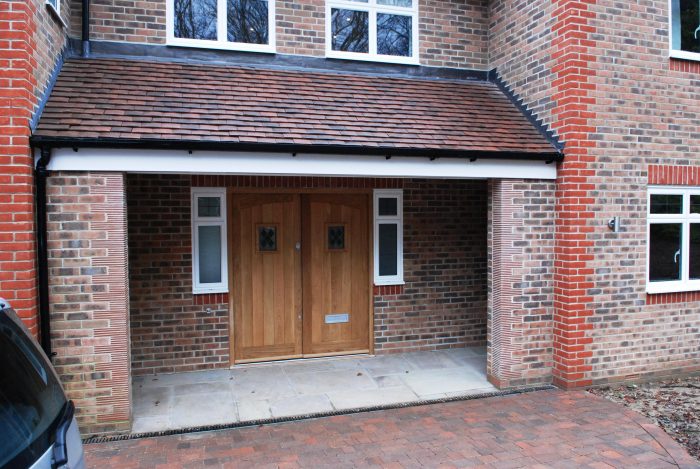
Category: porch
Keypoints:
(302, 387)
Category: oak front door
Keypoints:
(300, 275)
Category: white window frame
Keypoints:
(373, 8)
(392, 220)
(55, 8)
(221, 31)
(220, 192)
(685, 219)
(674, 31)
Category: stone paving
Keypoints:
(301, 387)
(542, 429)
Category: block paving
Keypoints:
(551, 428)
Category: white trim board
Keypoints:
(284, 164)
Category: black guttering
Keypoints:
(85, 26)
(495, 78)
(41, 173)
(388, 152)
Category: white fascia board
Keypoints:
(284, 164)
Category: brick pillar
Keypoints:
(87, 242)
(520, 280)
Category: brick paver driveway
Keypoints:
(539, 429)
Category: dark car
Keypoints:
(37, 423)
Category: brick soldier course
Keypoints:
(526, 266)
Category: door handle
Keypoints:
(675, 256)
(297, 246)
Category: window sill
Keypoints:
(389, 59)
(216, 45)
(672, 287)
(209, 291)
(684, 55)
(56, 14)
(388, 283)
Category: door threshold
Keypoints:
(302, 359)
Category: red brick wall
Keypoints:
(452, 34)
(443, 303)
(171, 329)
(520, 267)
(621, 105)
(30, 40)
(89, 296)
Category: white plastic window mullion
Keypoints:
(373, 31)
(221, 21)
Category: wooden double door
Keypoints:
(300, 275)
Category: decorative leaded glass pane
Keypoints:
(208, 206)
(336, 237)
(394, 35)
(267, 238)
(247, 21)
(666, 203)
(350, 30)
(195, 19)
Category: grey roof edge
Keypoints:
(495, 77)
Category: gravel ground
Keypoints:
(673, 404)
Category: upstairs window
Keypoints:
(685, 29)
(673, 240)
(246, 25)
(388, 237)
(378, 30)
(209, 272)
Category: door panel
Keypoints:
(335, 250)
(267, 277)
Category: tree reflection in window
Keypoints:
(195, 19)
(247, 21)
(350, 30)
(393, 35)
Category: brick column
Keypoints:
(520, 280)
(89, 296)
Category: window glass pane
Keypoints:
(195, 19)
(395, 3)
(247, 21)
(394, 35)
(350, 30)
(388, 206)
(686, 25)
(695, 204)
(208, 206)
(665, 251)
(388, 249)
(666, 203)
(694, 260)
(209, 254)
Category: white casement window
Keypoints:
(377, 30)
(209, 269)
(673, 239)
(685, 29)
(55, 6)
(246, 25)
(388, 237)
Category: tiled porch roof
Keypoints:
(146, 101)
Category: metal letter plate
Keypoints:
(337, 318)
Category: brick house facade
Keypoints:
(523, 263)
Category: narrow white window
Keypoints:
(246, 25)
(388, 237)
(209, 270)
(673, 239)
(685, 29)
(55, 6)
(377, 30)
